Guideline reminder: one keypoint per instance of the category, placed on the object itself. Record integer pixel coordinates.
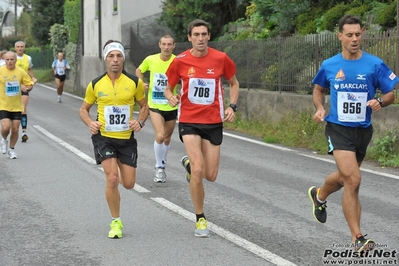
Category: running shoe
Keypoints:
(4, 146)
(201, 228)
(160, 175)
(24, 136)
(319, 209)
(186, 164)
(362, 243)
(12, 154)
(59, 100)
(116, 229)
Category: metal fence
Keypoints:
(285, 64)
(42, 59)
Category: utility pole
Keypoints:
(16, 17)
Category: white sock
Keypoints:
(159, 152)
(118, 218)
(165, 150)
(317, 197)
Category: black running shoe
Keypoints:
(319, 209)
(362, 243)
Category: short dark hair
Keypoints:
(197, 23)
(109, 41)
(349, 19)
(167, 36)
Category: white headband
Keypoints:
(114, 46)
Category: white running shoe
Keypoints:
(12, 154)
(4, 146)
(160, 175)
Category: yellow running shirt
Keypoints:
(23, 62)
(158, 81)
(10, 88)
(115, 103)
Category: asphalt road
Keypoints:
(53, 209)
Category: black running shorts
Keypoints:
(123, 149)
(167, 115)
(10, 115)
(60, 77)
(354, 139)
(211, 132)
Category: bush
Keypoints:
(359, 11)
(333, 15)
(386, 15)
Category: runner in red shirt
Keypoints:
(201, 110)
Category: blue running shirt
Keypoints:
(352, 83)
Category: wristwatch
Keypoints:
(141, 123)
(234, 107)
(380, 100)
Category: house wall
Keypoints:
(118, 26)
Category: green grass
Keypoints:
(300, 131)
(44, 75)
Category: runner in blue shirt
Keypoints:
(353, 77)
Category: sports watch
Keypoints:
(234, 107)
(380, 100)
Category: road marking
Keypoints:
(305, 155)
(82, 155)
(251, 247)
(266, 144)
(64, 93)
(361, 168)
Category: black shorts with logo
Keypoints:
(123, 149)
(211, 132)
(167, 115)
(10, 115)
(354, 139)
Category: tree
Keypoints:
(44, 14)
(177, 14)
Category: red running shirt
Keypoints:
(201, 92)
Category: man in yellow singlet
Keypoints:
(163, 116)
(24, 61)
(115, 146)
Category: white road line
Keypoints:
(64, 93)
(82, 155)
(269, 145)
(66, 145)
(251, 247)
(361, 168)
(257, 142)
(306, 155)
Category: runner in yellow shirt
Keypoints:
(115, 147)
(163, 116)
(24, 61)
(13, 81)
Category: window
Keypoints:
(97, 8)
(115, 7)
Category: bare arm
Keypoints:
(234, 92)
(30, 72)
(143, 115)
(141, 76)
(94, 126)
(319, 96)
(173, 99)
